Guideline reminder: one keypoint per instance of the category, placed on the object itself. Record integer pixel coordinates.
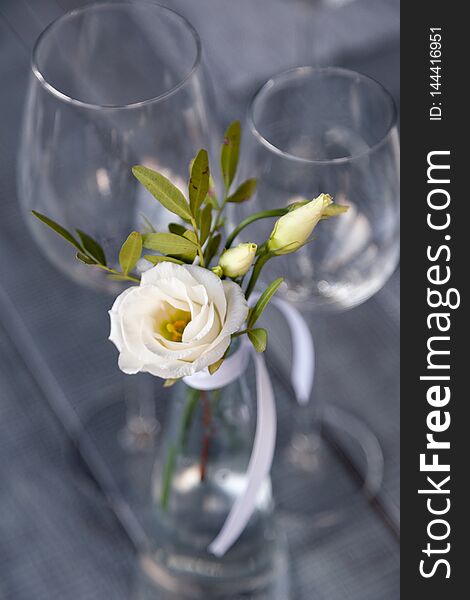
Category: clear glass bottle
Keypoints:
(199, 472)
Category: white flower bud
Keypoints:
(235, 262)
(293, 229)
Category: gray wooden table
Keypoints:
(58, 537)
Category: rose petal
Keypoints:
(197, 328)
(198, 294)
(214, 288)
(115, 333)
(237, 307)
(215, 353)
(165, 349)
(129, 363)
(167, 270)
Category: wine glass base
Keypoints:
(179, 577)
(326, 476)
(139, 434)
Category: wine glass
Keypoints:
(313, 130)
(112, 85)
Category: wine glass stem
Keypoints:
(308, 426)
(139, 407)
(141, 425)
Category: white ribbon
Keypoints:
(261, 458)
(231, 369)
(303, 351)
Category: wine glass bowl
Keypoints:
(113, 84)
(327, 130)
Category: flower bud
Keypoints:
(235, 262)
(218, 271)
(293, 229)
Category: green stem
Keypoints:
(198, 242)
(275, 212)
(178, 446)
(188, 414)
(201, 255)
(219, 213)
(114, 272)
(217, 223)
(206, 440)
(168, 476)
(239, 333)
(262, 260)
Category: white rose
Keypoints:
(176, 322)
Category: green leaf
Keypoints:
(164, 191)
(244, 191)
(215, 366)
(156, 259)
(199, 181)
(229, 153)
(85, 259)
(259, 339)
(58, 229)
(206, 222)
(131, 251)
(218, 363)
(170, 243)
(212, 200)
(211, 248)
(176, 228)
(263, 300)
(211, 197)
(170, 382)
(191, 236)
(93, 248)
(150, 227)
(333, 210)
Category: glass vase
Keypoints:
(199, 472)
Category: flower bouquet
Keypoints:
(190, 319)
